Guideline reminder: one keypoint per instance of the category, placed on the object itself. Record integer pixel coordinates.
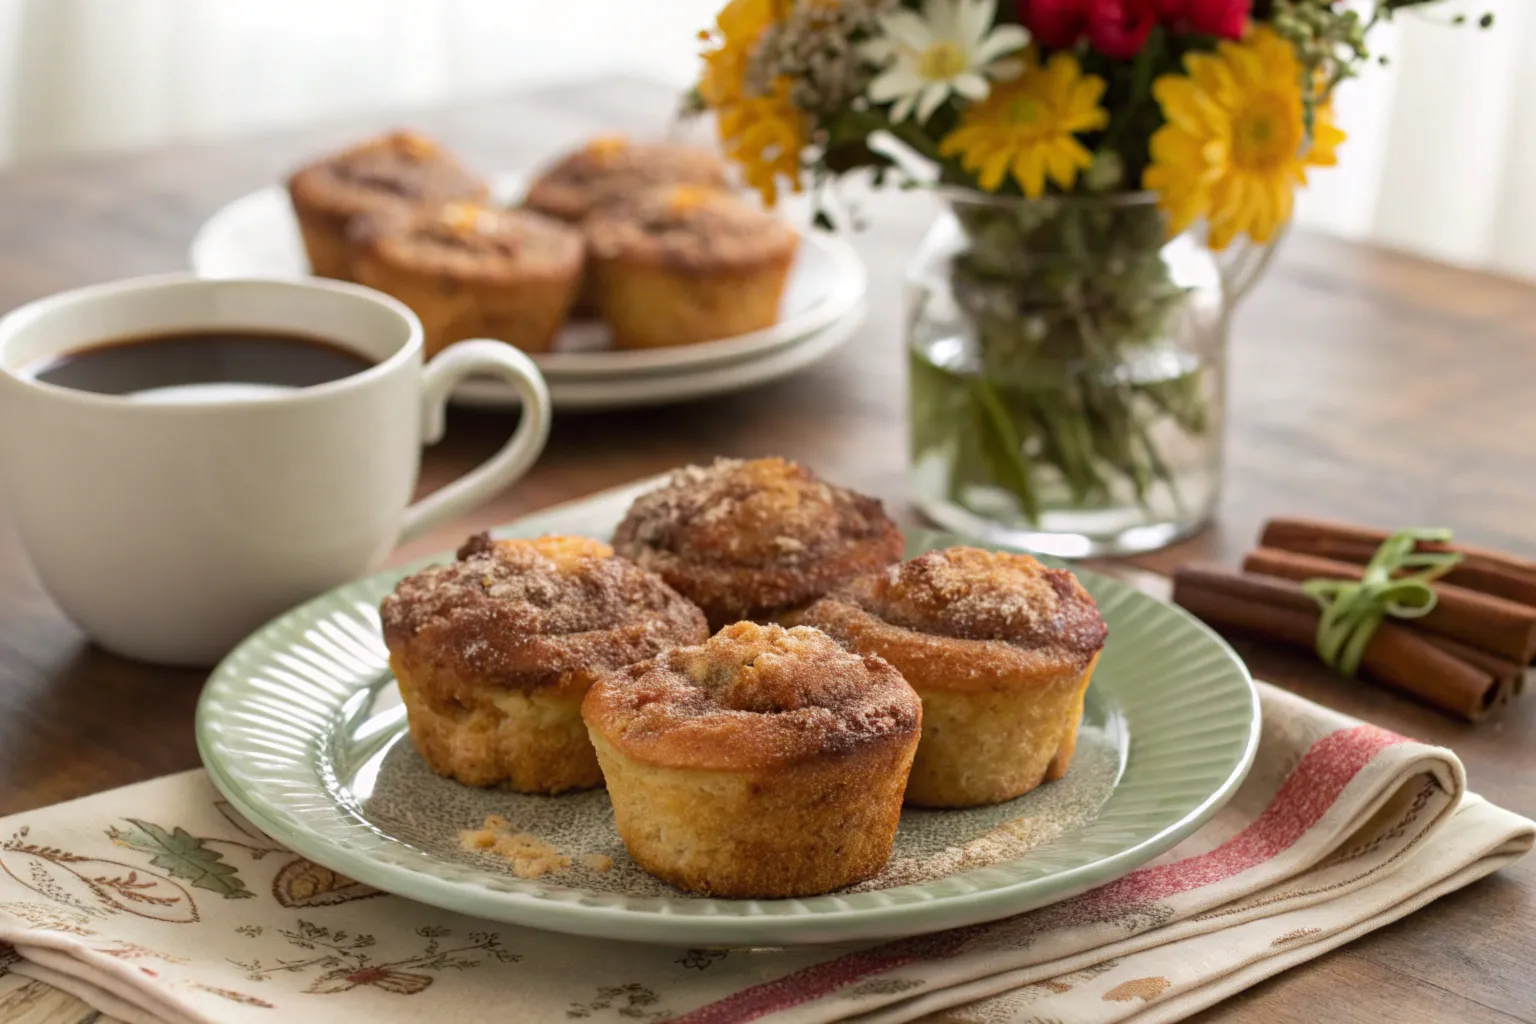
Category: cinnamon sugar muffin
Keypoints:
(611, 169)
(394, 171)
(683, 265)
(999, 647)
(765, 763)
(471, 271)
(758, 539)
(495, 652)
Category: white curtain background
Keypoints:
(1441, 158)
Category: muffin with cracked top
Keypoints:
(685, 264)
(396, 171)
(756, 539)
(495, 652)
(766, 762)
(612, 169)
(473, 271)
(1001, 650)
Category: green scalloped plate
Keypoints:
(302, 730)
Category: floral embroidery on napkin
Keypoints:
(93, 886)
(48, 919)
(133, 951)
(232, 995)
(631, 1002)
(344, 965)
(182, 855)
(301, 883)
(701, 959)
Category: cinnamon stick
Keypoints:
(1493, 624)
(1510, 675)
(1481, 569)
(1277, 609)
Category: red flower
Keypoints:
(1224, 18)
(1116, 28)
(1055, 24)
(1119, 28)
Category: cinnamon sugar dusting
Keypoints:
(391, 170)
(983, 595)
(758, 513)
(611, 170)
(470, 240)
(1008, 841)
(689, 226)
(754, 539)
(750, 696)
(525, 612)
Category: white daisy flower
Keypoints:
(948, 48)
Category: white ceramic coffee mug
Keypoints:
(168, 531)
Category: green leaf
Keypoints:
(183, 855)
(1003, 448)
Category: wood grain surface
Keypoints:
(1365, 385)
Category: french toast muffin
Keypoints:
(756, 539)
(494, 653)
(394, 171)
(472, 271)
(763, 763)
(612, 169)
(1001, 650)
(683, 264)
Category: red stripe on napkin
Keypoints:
(1312, 787)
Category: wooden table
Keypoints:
(1364, 385)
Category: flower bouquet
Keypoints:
(1115, 173)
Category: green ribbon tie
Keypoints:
(1353, 610)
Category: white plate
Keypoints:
(585, 394)
(257, 236)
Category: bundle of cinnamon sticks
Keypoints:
(1467, 656)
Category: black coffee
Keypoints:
(201, 360)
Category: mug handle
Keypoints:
(441, 375)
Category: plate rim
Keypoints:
(851, 289)
(652, 390)
(740, 926)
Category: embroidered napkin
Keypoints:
(158, 903)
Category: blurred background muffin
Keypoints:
(473, 271)
(612, 169)
(392, 172)
(686, 264)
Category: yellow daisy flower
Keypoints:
(1027, 127)
(737, 28)
(1234, 147)
(765, 136)
(1327, 136)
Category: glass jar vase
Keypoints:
(1066, 373)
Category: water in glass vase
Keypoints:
(1065, 375)
(1065, 465)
